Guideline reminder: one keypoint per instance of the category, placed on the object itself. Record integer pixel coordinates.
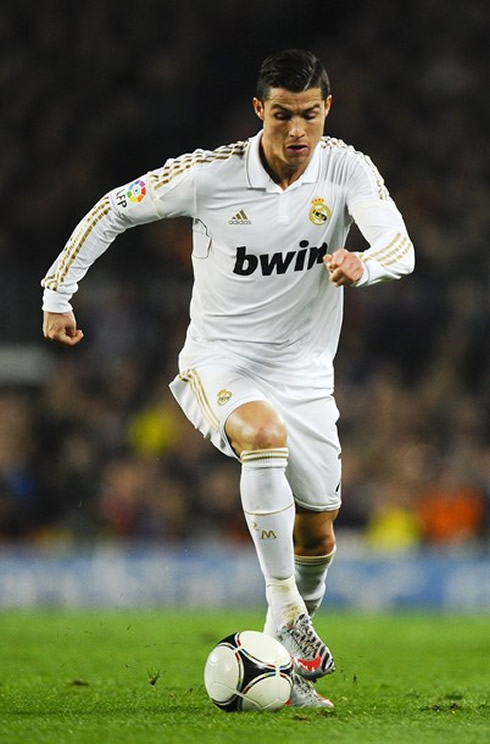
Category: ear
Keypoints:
(258, 108)
(328, 105)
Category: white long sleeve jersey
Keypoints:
(261, 291)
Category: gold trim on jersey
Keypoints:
(192, 377)
(332, 142)
(176, 166)
(75, 244)
(394, 251)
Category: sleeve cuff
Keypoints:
(365, 273)
(54, 302)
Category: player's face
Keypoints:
(293, 126)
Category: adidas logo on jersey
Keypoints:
(240, 219)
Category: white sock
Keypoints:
(284, 603)
(311, 576)
(269, 510)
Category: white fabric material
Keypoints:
(284, 603)
(260, 289)
(311, 577)
(269, 511)
(209, 393)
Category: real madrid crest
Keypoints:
(223, 397)
(319, 213)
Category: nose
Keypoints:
(296, 127)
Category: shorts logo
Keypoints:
(319, 213)
(223, 397)
(137, 191)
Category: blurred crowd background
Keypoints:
(92, 446)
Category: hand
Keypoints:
(62, 328)
(345, 268)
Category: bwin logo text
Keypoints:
(306, 258)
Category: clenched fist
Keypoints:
(62, 328)
(345, 268)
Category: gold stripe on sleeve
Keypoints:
(176, 166)
(391, 253)
(332, 142)
(405, 247)
(380, 251)
(75, 244)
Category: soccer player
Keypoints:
(271, 216)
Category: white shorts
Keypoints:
(209, 393)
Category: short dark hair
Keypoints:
(295, 70)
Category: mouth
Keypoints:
(297, 149)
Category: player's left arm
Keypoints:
(390, 254)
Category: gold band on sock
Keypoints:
(314, 560)
(278, 453)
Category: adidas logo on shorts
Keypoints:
(240, 219)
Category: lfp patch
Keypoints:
(137, 191)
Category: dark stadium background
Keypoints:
(92, 448)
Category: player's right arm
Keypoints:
(166, 192)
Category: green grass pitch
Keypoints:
(136, 677)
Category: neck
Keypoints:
(281, 173)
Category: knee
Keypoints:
(267, 435)
(256, 426)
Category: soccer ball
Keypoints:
(248, 670)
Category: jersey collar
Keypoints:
(258, 178)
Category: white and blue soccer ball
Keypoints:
(249, 671)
